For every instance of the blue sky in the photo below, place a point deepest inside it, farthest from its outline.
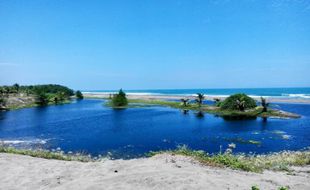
(148, 44)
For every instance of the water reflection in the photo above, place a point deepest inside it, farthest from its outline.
(2, 115)
(185, 112)
(200, 114)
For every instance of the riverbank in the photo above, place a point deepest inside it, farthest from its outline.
(163, 171)
(19, 101)
(177, 97)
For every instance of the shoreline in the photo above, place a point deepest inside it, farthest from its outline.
(163, 171)
(207, 97)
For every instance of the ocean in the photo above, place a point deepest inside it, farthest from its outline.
(300, 93)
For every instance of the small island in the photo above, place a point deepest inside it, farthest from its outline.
(237, 106)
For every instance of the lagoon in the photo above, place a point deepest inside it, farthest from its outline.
(88, 126)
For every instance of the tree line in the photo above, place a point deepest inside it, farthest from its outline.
(44, 94)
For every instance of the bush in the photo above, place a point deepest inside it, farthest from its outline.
(41, 98)
(119, 99)
(238, 102)
(255, 187)
(79, 95)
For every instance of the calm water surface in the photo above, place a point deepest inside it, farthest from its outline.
(87, 126)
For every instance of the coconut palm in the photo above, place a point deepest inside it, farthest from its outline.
(240, 105)
(264, 104)
(184, 101)
(200, 98)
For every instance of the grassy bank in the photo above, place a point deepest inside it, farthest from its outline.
(281, 161)
(256, 112)
(40, 153)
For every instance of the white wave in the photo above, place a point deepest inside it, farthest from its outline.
(143, 93)
(306, 96)
(16, 142)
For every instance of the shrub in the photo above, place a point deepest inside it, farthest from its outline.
(79, 95)
(119, 99)
(41, 98)
(255, 187)
(238, 102)
(283, 188)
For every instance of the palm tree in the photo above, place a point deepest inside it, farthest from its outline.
(199, 99)
(240, 105)
(264, 104)
(184, 101)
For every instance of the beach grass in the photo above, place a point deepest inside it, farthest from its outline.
(229, 114)
(281, 161)
(41, 153)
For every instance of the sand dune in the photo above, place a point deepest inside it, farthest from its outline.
(159, 172)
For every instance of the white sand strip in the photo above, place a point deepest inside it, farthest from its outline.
(177, 97)
(159, 172)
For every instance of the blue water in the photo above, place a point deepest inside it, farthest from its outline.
(272, 92)
(88, 126)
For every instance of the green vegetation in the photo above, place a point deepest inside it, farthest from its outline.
(264, 104)
(119, 100)
(243, 107)
(239, 102)
(199, 99)
(32, 89)
(184, 101)
(217, 102)
(16, 96)
(79, 95)
(281, 161)
(226, 114)
(40, 153)
(41, 98)
(254, 187)
(165, 103)
(284, 188)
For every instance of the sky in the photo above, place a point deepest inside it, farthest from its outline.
(155, 44)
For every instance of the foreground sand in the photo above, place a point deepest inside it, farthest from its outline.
(159, 172)
(174, 97)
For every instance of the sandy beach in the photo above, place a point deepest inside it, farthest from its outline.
(163, 171)
(173, 97)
